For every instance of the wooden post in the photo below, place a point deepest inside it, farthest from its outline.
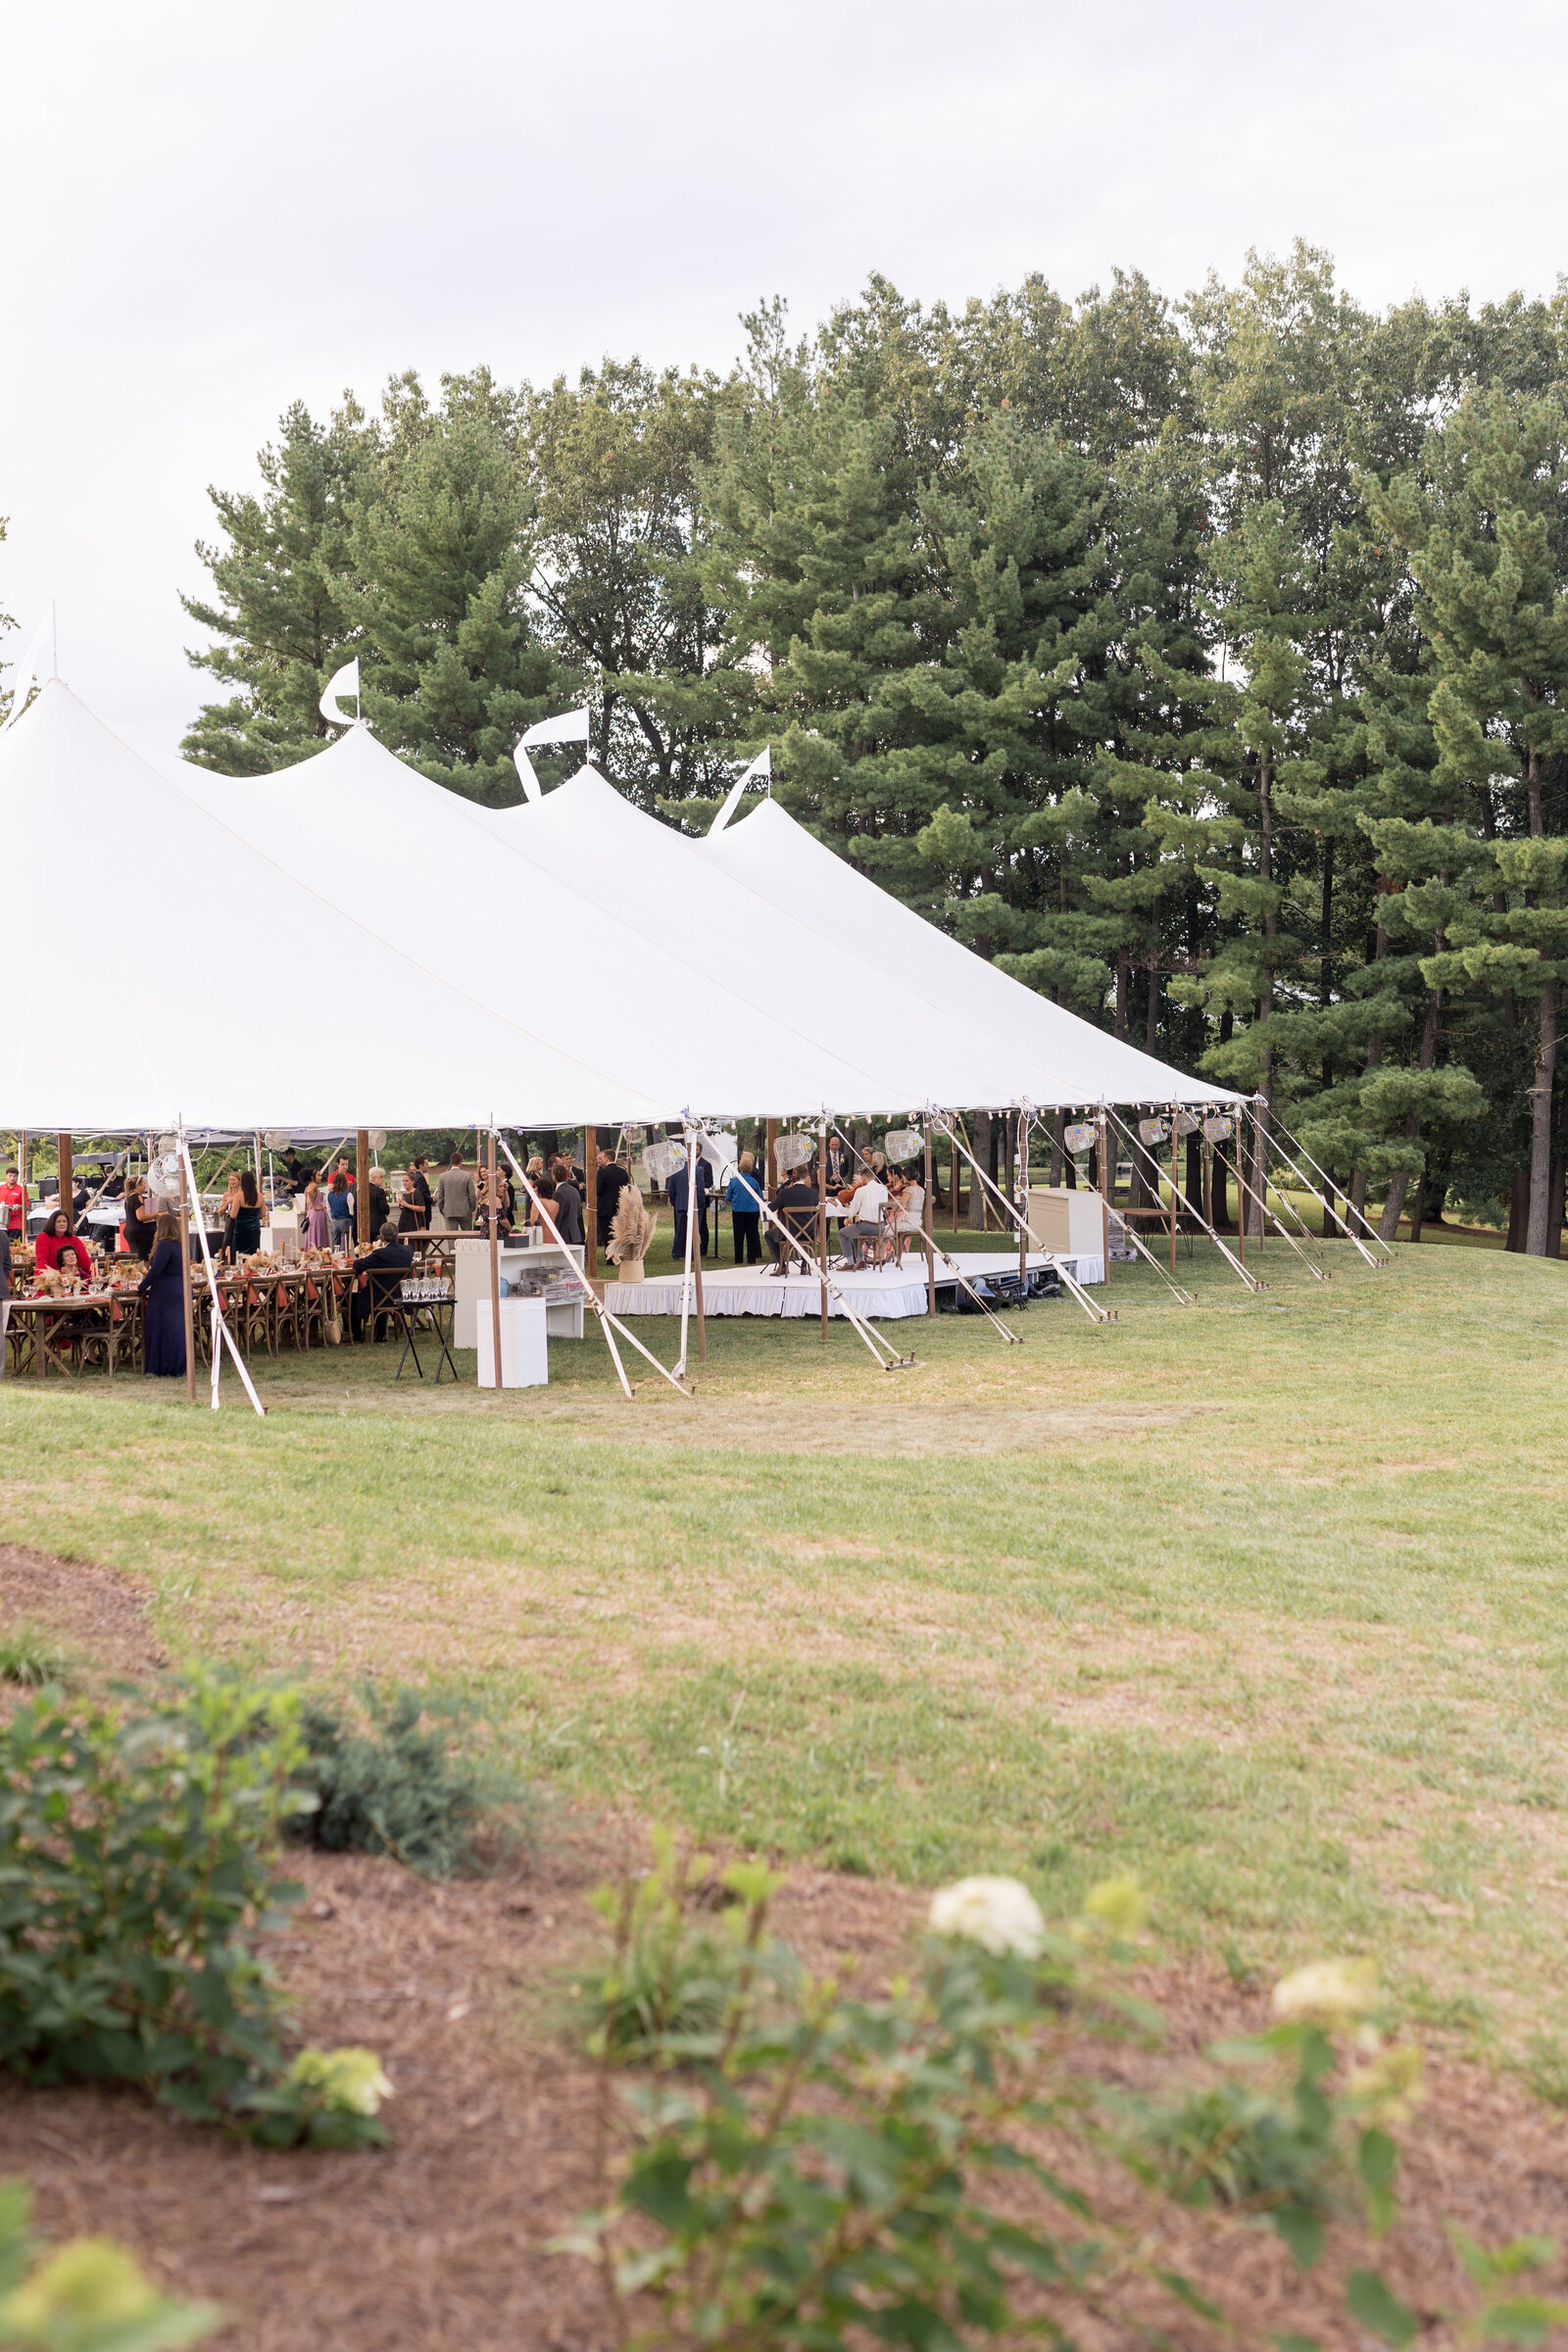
(694, 1222)
(770, 1172)
(62, 1145)
(1241, 1186)
(1107, 1174)
(1023, 1201)
(184, 1278)
(362, 1191)
(590, 1215)
(495, 1266)
(955, 1187)
(1175, 1133)
(928, 1236)
(821, 1218)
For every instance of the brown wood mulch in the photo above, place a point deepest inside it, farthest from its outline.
(437, 2244)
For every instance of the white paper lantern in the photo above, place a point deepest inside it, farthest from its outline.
(1187, 1122)
(792, 1152)
(1218, 1130)
(1153, 1131)
(277, 1139)
(1080, 1136)
(664, 1160)
(902, 1143)
(377, 1139)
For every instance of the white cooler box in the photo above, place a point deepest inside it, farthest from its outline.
(525, 1344)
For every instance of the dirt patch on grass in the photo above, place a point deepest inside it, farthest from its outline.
(92, 1610)
(438, 2242)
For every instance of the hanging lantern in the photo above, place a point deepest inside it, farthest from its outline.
(794, 1152)
(1153, 1131)
(1187, 1122)
(902, 1143)
(377, 1139)
(1218, 1130)
(1080, 1136)
(664, 1159)
(277, 1139)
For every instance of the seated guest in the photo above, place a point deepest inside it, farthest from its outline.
(908, 1201)
(864, 1220)
(376, 1277)
(796, 1202)
(56, 1245)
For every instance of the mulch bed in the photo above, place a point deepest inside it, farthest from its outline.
(436, 2244)
(95, 1611)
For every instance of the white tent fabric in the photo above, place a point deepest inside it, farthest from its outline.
(160, 966)
(1057, 1059)
(599, 921)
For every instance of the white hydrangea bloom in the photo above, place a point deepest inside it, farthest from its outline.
(999, 1914)
(1335, 1990)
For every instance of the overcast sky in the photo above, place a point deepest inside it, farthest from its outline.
(210, 212)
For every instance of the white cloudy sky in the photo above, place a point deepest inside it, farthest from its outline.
(207, 212)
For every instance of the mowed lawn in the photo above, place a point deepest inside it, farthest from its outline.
(1262, 1598)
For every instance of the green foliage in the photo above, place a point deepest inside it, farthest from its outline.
(412, 1773)
(87, 2296)
(30, 1655)
(136, 1872)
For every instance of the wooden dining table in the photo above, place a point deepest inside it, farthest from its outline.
(56, 1332)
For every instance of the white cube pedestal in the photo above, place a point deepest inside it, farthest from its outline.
(525, 1350)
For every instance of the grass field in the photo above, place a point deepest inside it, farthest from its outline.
(1262, 1598)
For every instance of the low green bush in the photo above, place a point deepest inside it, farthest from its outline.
(29, 1654)
(795, 2169)
(416, 1774)
(139, 1842)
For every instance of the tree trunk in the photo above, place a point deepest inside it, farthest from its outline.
(982, 1143)
(1358, 1196)
(1518, 1210)
(1394, 1206)
(1060, 1160)
(1193, 1185)
(1555, 1214)
(1540, 1124)
(1219, 1213)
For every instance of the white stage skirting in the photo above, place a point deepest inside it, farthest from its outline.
(884, 1292)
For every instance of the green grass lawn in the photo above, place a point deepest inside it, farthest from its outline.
(1263, 1599)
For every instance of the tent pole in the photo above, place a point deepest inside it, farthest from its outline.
(184, 1268)
(1196, 1209)
(222, 1335)
(1175, 1133)
(927, 1238)
(686, 1263)
(362, 1188)
(1104, 1196)
(955, 1182)
(821, 1217)
(66, 1152)
(770, 1166)
(1023, 1201)
(495, 1263)
(697, 1262)
(590, 1204)
(609, 1324)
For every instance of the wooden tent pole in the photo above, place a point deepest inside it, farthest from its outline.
(184, 1276)
(928, 1236)
(590, 1211)
(1175, 1130)
(954, 1140)
(1107, 1179)
(1024, 1200)
(65, 1151)
(495, 1265)
(770, 1172)
(362, 1188)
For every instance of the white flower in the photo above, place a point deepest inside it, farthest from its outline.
(1336, 1991)
(999, 1914)
(351, 2080)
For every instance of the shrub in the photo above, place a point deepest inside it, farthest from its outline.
(410, 1773)
(136, 1874)
(87, 2296)
(32, 1656)
(800, 2169)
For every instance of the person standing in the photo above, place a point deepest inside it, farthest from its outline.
(340, 1209)
(140, 1221)
(611, 1180)
(380, 1206)
(317, 1224)
(13, 1202)
(242, 1229)
(742, 1194)
(567, 1211)
(682, 1185)
(424, 1202)
(163, 1286)
(455, 1197)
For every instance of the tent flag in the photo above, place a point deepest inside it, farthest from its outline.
(343, 681)
(761, 765)
(570, 726)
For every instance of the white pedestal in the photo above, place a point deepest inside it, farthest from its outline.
(282, 1235)
(1071, 1223)
(524, 1355)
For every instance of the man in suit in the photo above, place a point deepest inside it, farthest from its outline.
(611, 1180)
(680, 1189)
(377, 1277)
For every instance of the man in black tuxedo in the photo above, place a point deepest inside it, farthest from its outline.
(376, 1277)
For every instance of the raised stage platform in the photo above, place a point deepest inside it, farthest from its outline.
(888, 1292)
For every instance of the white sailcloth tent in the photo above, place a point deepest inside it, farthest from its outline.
(160, 966)
(1071, 1062)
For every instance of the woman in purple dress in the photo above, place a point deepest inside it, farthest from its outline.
(163, 1286)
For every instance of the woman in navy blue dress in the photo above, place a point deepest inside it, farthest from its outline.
(163, 1286)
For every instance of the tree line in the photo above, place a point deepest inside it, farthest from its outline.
(1203, 662)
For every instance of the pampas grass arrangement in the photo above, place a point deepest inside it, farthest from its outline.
(631, 1229)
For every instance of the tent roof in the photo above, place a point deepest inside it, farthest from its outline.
(1058, 1060)
(160, 965)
